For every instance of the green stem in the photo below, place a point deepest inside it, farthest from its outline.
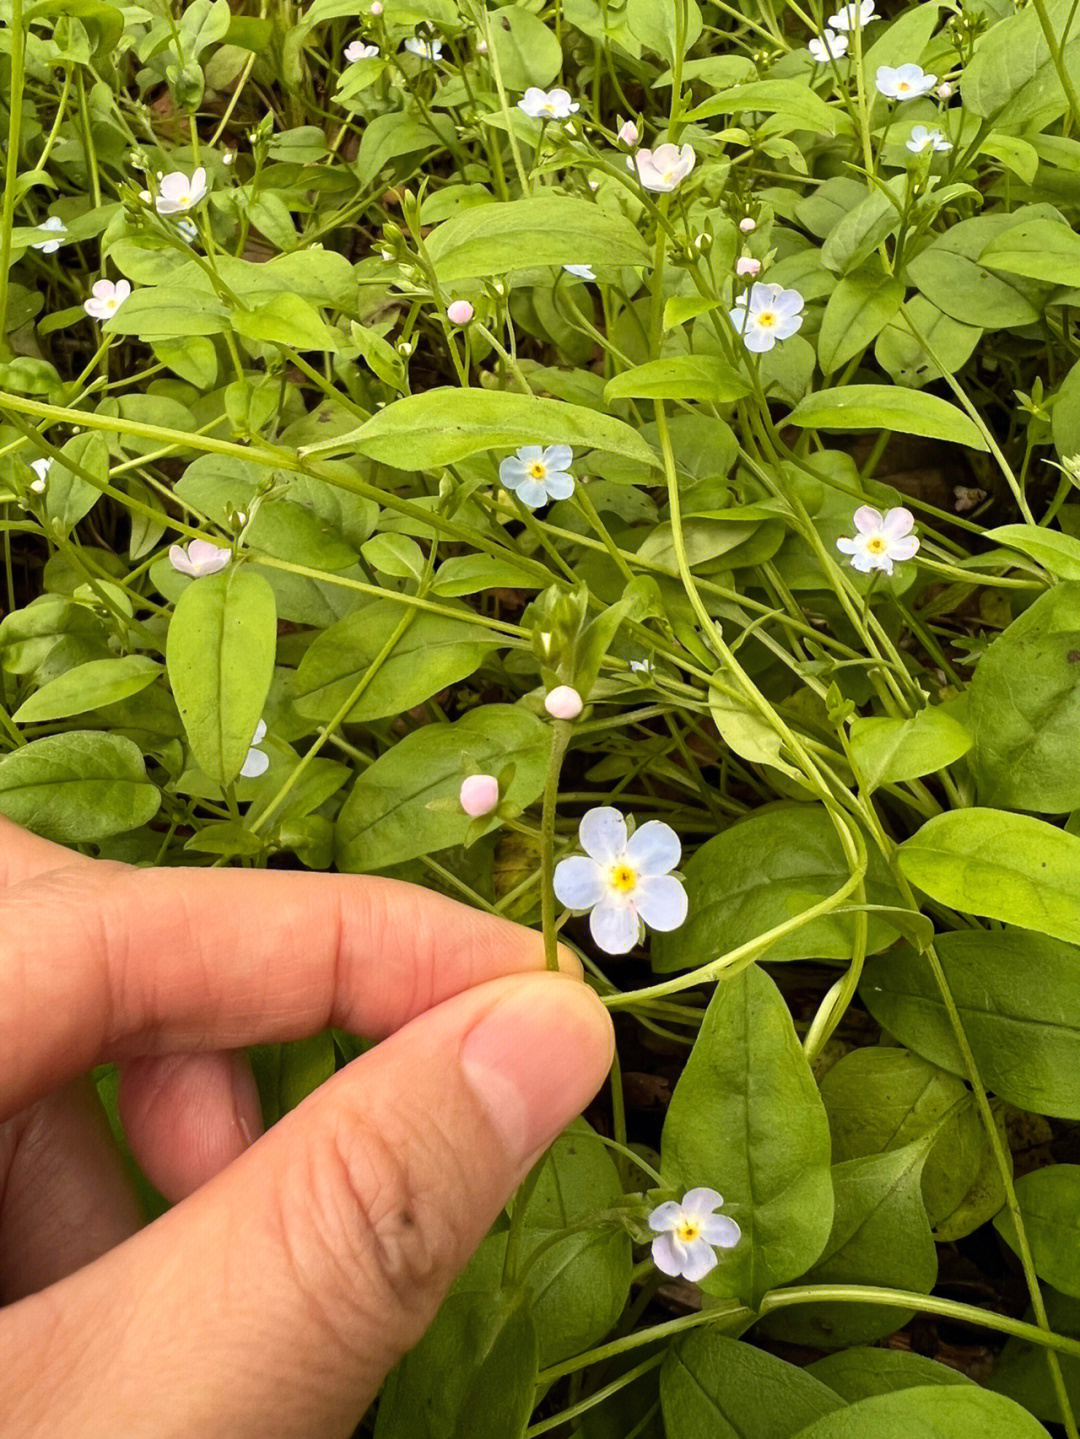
(11, 168)
(560, 739)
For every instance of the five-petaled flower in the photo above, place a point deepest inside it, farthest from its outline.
(582, 272)
(903, 82)
(854, 16)
(880, 539)
(664, 168)
(41, 470)
(257, 762)
(623, 882)
(688, 1234)
(106, 298)
(924, 139)
(547, 104)
(831, 45)
(55, 226)
(426, 49)
(479, 795)
(536, 474)
(770, 313)
(177, 194)
(357, 50)
(199, 558)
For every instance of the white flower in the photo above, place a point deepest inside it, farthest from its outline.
(426, 49)
(623, 882)
(357, 50)
(880, 539)
(176, 193)
(829, 46)
(642, 667)
(747, 265)
(41, 470)
(547, 104)
(479, 794)
(924, 139)
(57, 227)
(257, 761)
(229, 157)
(106, 298)
(688, 1234)
(200, 558)
(905, 82)
(854, 16)
(664, 168)
(188, 229)
(771, 313)
(538, 475)
(563, 702)
(583, 272)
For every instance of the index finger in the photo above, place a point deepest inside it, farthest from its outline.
(102, 961)
(24, 855)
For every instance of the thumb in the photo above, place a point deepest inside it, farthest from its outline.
(276, 1297)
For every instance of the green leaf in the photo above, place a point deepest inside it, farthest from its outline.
(793, 99)
(68, 497)
(1013, 77)
(220, 656)
(393, 812)
(521, 234)
(388, 137)
(746, 1119)
(78, 786)
(1002, 866)
(1057, 553)
(858, 310)
(435, 651)
(653, 22)
(286, 320)
(880, 407)
(469, 574)
(1050, 1206)
(950, 274)
(681, 377)
(1024, 707)
(723, 1388)
(890, 751)
(442, 426)
(763, 871)
(861, 1373)
(87, 687)
(1018, 994)
(527, 51)
(1020, 1371)
(930, 1412)
(1042, 249)
(902, 356)
(861, 227)
(166, 311)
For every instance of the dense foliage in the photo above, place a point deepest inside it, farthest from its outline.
(427, 427)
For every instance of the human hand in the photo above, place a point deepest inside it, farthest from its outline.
(297, 1269)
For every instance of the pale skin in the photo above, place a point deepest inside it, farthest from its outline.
(297, 1266)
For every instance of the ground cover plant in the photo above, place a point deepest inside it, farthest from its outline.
(614, 462)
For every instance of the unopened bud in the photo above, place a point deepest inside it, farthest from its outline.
(746, 265)
(563, 702)
(459, 312)
(481, 47)
(228, 157)
(628, 133)
(479, 794)
(747, 225)
(376, 8)
(944, 91)
(405, 348)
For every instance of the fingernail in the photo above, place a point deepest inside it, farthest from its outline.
(536, 1059)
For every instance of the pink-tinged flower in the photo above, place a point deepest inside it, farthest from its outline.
(628, 133)
(376, 8)
(663, 169)
(747, 225)
(903, 82)
(479, 795)
(747, 265)
(459, 312)
(624, 882)
(257, 762)
(880, 540)
(106, 298)
(944, 91)
(199, 559)
(770, 313)
(177, 194)
(563, 702)
(356, 50)
(688, 1234)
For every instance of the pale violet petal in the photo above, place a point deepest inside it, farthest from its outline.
(789, 325)
(666, 1254)
(661, 901)
(532, 494)
(579, 883)
(666, 1216)
(904, 548)
(898, 522)
(654, 848)
(700, 1260)
(512, 472)
(699, 1202)
(613, 925)
(257, 763)
(560, 486)
(558, 457)
(529, 454)
(868, 520)
(759, 341)
(602, 834)
(721, 1231)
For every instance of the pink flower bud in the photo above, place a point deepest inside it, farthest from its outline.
(747, 226)
(745, 265)
(479, 794)
(944, 90)
(376, 8)
(628, 133)
(459, 312)
(563, 702)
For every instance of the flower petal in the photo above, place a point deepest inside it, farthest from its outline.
(512, 472)
(700, 1260)
(654, 848)
(558, 457)
(867, 519)
(532, 494)
(718, 1229)
(560, 486)
(661, 901)
(579, 882)
(666, 1216)
(759, 341)
(602, 833)
(667, 1254)
(904, 548)
(847, 546)
(700, 1202)
(257, 763)
(898, 522)
(613, 925)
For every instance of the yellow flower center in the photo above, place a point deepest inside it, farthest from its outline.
(877, 545)
(766, 319)
(537, 470)
(903, 87)
(623, 878)
(688, 1231)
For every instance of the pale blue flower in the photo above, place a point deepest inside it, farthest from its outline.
(583, 272)
(537, 475)
(924, 139)
(904, 82)
(688, 1234)
(257, 762)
